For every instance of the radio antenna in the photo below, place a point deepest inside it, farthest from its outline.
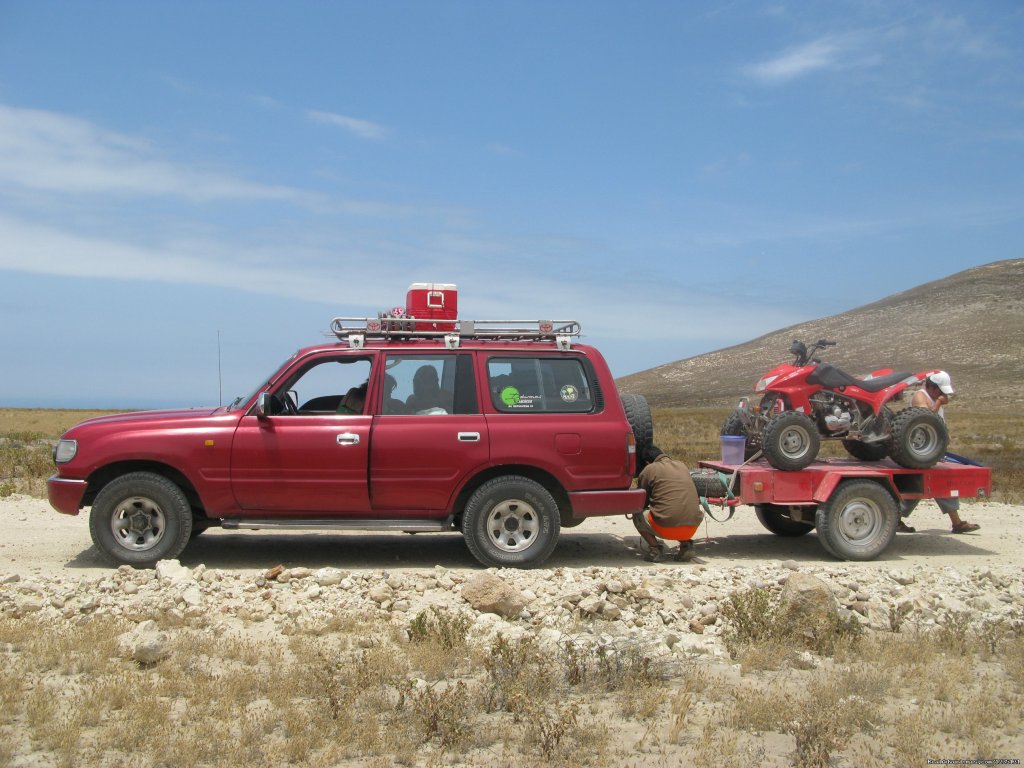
(220, 378)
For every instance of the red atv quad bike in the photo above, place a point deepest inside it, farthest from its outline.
(809, 401)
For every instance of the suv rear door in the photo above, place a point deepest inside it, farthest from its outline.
(429, 434)
(547, 410)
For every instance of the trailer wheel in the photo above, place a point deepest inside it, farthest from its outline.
(859, 521)
(919, 438)
(638, 414)
(791, 441)
(771, 517)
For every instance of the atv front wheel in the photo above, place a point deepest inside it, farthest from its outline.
(791, 441)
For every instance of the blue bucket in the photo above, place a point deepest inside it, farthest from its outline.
(733, 448)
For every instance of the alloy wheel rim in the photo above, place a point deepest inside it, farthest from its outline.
(138, 523)
(512, 525)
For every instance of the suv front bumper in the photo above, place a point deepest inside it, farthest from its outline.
(65, 495)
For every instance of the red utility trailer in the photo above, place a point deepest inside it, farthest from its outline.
(854, 505)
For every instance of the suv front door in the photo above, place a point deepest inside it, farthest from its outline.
(309, 455)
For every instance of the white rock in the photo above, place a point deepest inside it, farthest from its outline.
(328, 577)
(172, 572)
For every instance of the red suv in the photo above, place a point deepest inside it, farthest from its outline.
(505, 431)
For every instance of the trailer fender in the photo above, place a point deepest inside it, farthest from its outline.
(830, 480)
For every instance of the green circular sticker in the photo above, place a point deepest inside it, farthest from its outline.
(510, 396)
(569, 393)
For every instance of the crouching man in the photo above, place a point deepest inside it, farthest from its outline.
(673, 506)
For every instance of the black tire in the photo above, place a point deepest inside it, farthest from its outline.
(140, 518)
(774, 520)
(866, 451)
(919, 438)
(708, 483)
(791, 441)
(873, 451)
(511, 521)
(638, 414)
(859, 521)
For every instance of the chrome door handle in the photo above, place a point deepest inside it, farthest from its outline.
(469, 437)
(348, 438)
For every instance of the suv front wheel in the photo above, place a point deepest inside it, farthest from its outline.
(511, 521)
(140, 518)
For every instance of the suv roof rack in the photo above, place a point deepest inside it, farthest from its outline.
(355, 330)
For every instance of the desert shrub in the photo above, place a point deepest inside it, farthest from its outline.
(760, 628)
(446, 628)
(517, 675)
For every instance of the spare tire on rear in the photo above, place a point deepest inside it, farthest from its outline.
(638, 414)
(709, 483)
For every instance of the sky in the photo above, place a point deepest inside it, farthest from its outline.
(190, 191)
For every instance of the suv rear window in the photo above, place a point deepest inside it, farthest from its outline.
(539, 385)
(429, 385)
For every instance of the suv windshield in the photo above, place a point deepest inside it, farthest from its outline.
(241, 400)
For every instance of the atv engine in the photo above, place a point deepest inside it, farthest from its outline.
(836, 413)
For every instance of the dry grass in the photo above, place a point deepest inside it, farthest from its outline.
(358, 696)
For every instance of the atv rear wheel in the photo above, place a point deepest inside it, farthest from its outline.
(919, 438)
(791, 441)
(866, 451)
(874, 451)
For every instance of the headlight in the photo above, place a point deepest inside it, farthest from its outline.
(762, 385)
(65, 451)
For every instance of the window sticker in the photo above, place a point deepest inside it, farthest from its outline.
(569, 393)
(510, 396)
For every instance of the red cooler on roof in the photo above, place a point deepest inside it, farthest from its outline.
(435, 303)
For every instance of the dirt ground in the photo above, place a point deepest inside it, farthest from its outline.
(39, 540)
(48, 562)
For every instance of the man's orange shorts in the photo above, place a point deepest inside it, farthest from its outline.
(675, 533)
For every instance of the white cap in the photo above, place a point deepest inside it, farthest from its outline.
(942, 381)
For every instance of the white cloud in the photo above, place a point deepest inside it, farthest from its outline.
(54, 152)
(797, 62)
(364, 129)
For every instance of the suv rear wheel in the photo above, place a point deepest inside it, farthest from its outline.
(511, 521)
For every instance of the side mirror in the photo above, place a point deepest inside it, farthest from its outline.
(263, 405)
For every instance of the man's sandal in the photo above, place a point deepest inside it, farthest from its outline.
(965, 527)
(655, 554)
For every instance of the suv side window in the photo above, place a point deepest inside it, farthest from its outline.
(429, 385)
(539, 385)
(329, 385)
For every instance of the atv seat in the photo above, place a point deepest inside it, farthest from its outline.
(829, 376)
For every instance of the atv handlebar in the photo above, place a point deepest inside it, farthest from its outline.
(804, 355)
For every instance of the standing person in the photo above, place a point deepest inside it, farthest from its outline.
(673, 506)
(934, 395)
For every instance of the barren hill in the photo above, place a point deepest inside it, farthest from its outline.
(970, 324)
